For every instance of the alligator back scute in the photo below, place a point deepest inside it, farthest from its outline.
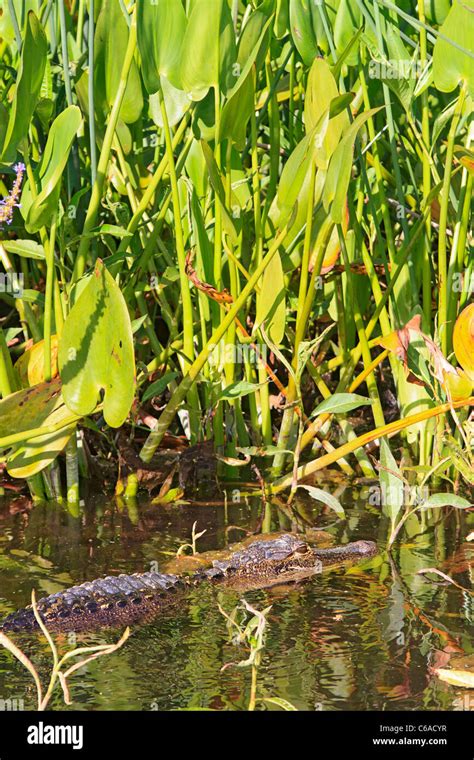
(107, 602)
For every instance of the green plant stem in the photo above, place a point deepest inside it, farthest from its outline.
(80, 20)
(218, 311)
(188, 321)
(48, 302)
(90, 91)
(98, 187)
(167, 416)
(403, 255)
(263, 393)
(253, 689)
(302, 315)
(7, 376)
(458, 248)
(16, 28)
(363, 340)
(64, 52)
(443, 294)
(72, 470)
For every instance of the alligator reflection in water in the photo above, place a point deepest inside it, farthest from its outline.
(126, 599)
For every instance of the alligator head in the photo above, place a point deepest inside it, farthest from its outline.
(286, 558)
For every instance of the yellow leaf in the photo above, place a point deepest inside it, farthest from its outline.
(30, 366)
(463, 340)
(271, 304)
(456, 677)
(457, 385)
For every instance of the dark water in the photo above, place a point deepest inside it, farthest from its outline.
(363, 639)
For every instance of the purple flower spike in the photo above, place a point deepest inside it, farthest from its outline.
(11, 201)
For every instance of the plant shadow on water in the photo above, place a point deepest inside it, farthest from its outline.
(358, 638)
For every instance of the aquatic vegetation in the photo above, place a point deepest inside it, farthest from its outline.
(250, 227)
(59, 674)
(247, 627)
(194, 537)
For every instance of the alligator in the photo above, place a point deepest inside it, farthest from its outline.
(127, 599)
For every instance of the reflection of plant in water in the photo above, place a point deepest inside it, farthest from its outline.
(194, 538)
(395, 488)
(57, 672)
(247, 626)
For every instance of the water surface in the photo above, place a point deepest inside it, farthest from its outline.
(358, 640)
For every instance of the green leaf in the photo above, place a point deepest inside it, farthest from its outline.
(138, 323)
(348, 21)
(229, 222)
(305, 349)
(157, 388)
(32, 296)
(113, 229)
(29, 408)
(294, 187)
(28, 85)
(39, 211)
(401, 69)
(271, 302)
(436, 10)
(391, 483)
(339, 172)
(280, 702)
(110, 45)
(96, 351)
(208, 51)
(30, 249)
(161, 25)
(237, 390)
(450, 64)
(176, 104)
(322, 95)
(240, 99)
(346, 54)
(250, 36)
(32, 457)
(307, 29)
(437, 500)
(328, 499)
(35, 408)
(263, 451)
(340, 403)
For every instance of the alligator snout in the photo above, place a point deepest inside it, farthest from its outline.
(364, 548)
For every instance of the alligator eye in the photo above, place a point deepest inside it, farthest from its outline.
(302, 549)
(137, 600)
(91, 606)
(64, 613)
(122, 603)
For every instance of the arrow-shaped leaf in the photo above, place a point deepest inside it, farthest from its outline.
(96, 351)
